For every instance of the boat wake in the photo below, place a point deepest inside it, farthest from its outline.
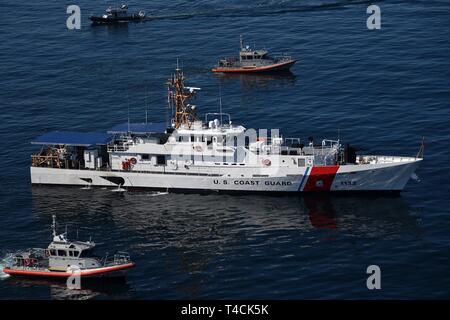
(159, 194)
(271, 8)
(3, 263)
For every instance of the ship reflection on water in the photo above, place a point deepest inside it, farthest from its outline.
(259, 80)
(177, 239)
(90, 288)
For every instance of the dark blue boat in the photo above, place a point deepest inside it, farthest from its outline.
(118, 14)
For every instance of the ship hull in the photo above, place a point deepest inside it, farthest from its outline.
(282, 66)
(347, 178)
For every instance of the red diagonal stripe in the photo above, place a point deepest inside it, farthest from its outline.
(321, 178)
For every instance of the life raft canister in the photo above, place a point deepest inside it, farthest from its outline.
(125, 165)
(266, 162)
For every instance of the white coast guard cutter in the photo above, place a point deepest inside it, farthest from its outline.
(211, 155)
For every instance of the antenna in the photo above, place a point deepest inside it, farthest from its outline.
(220, 102)
(54, 226)
(128, 102)
(146, 107)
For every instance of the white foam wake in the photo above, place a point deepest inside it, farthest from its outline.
(2, 274)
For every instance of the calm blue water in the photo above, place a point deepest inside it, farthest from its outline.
(382, 90)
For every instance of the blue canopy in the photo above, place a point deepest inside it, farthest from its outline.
(71, 138)
(139, 128)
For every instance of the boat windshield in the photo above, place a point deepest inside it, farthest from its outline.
(87, 253)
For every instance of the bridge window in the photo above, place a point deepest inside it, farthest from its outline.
(86, 253)
(73, 253)
(52, 252)
(62, 253)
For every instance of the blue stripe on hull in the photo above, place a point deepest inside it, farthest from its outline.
(303, 179)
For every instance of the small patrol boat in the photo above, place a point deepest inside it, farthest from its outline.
(251, 61)
(118, 14)
(64, 258)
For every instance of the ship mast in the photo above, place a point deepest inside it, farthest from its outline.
(185, 114)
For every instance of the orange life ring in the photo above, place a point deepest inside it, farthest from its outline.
(133, 161)
(266, 162)
(198, 148)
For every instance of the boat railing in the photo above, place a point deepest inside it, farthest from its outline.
(120, 144)
(283, 57)
(120, 257)
(220, 115)
(292, 141)
(327, 143)
(118, 147)
(379, 159)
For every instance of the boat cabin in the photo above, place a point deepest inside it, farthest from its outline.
(117, 12)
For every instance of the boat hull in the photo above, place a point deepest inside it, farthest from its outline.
(101, 20)
(87, 273)
(348, 178)
(282, 66)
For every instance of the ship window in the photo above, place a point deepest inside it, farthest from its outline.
(145, 156)
(160, 160)
(73, 253)
(62, 253)
(192, 138)
(52, 252)
(86, 253)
